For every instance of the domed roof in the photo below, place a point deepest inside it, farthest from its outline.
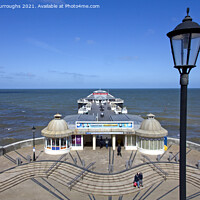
(57, 128)
(150, 127)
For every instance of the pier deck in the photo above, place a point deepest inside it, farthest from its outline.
(40, 186)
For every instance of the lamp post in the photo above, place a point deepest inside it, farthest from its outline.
(33, 130)
(185, 47)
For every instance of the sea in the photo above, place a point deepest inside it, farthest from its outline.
(21, 109)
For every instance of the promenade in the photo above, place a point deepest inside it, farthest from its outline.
(48, 179)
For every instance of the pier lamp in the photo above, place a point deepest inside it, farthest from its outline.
(185, 47)
(33, 130)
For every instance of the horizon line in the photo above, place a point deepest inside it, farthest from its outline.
(86, 88)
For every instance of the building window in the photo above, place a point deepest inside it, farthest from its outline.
(76, 140)
(55, 144)
(162, 143)
(143, 143)
(133, 140)
(147, 144)
(48, 143)
(63, 143)
(129, 140)
(151, 144)
(139, 142)
(159, 144)
(155, 144)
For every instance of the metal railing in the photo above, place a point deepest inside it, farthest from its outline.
(54, 164)
(81, 161)
(111, 165)
(165, 152)
(73, 159)
(79, 175)
(162, 171)
(129, 163)
(133, 158)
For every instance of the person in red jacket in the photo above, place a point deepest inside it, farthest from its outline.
(136, 179)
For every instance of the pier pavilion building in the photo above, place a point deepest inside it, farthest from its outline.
(57, 136)
(151, 136)
(102, 119)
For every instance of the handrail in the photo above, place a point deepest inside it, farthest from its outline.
(113, 157)
(79, 175)
(162, 171)
(133, 158)
(179, 152)
(175, 155)
(130, 156)
(79, 157)
(54, 164)
(165, 152)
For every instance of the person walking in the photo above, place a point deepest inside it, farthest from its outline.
(140, 176)
(101, 142)
(106, 143)
(136, 179)
(119, 150)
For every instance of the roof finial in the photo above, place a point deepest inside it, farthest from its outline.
(188, 10)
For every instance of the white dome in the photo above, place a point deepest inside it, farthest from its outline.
(56, 128)
(150, 127)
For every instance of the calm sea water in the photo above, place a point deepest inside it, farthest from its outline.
(21, 109)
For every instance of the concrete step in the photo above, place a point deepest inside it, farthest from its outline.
(98, 184)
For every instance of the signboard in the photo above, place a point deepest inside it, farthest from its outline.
(104, 133)
(95, 125)
(100, 93)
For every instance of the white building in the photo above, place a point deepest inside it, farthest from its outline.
(57, 136)
(150, 136)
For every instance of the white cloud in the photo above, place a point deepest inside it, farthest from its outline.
(1, 71)
(150, 31)
(128, 58)
(44, 45)
(77, 39)
(5, 77)
(90, 41)
(73, 74)
(24, 74)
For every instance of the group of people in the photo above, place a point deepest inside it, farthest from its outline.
(138, 180)
(106, 143)
(101, 142)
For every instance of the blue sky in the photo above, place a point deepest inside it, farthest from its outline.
(122, 44)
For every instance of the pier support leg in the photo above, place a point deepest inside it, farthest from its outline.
(94, 142)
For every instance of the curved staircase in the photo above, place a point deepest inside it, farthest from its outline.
(90, 182)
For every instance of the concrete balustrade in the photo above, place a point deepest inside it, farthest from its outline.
(18, 145)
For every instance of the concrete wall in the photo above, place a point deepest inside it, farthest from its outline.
(26, 143)
(20, 144)
(189, 144)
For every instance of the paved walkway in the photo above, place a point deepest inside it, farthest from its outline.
(43, 188)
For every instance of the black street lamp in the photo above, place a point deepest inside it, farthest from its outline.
(185, 46)
(33, 130)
